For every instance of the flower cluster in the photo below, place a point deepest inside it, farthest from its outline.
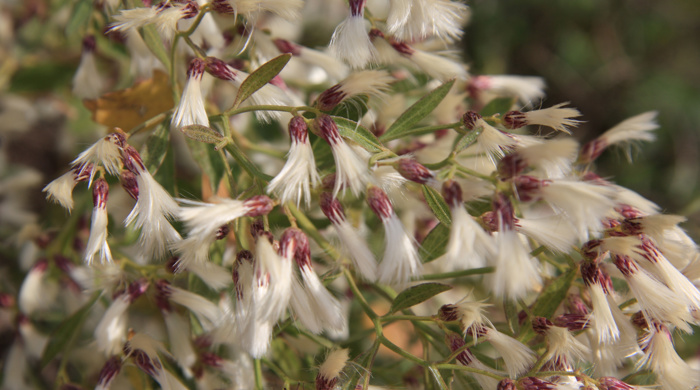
(334, 188)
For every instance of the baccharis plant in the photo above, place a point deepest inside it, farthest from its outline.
(339, 192)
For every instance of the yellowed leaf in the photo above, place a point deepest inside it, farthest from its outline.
(132, 106)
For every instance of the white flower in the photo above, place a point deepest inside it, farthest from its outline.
(143, 62)
(330, 369)
(278, 270)
(415, 20)
(350, 170)
(555, 232)
(490, 140)
(350, 41)
(440, 67)
(353, 245)
(153, 209)
(517, 356)
(144, 352)
(250, 9)
(35, 290)
(401, 261)
(371, 83)
(554, 158)
(656, 300)
(562, 346)
(584, 203)
(527, 89)
(294, 181)
(662, 359)
(132, 19)
(468, 245)
(87, 83)
(637, 128)
(323, 311)
(202, 220)
(97, 242)
(555, 117)
(516, 272)
(178, 329)
(335, 68)
(191, 110)
(110, 332)
(206, 311)
(60, 190)
(106, 152)
(625, 133)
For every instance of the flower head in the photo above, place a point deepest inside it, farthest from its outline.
(191, 110)
(299, 175)
(350, 41)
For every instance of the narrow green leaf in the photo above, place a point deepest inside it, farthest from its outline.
(202, 134)
(79, 19)
(416, 112)
(554, 294)
(437, 204)
(438, 378)
(466, 140)
(156, 147)
(417, 294)
(353, 109)
(248, 165)
(357, 133)
(511, 311)
(260, 77)
(66, 332)
(155, 44)
(322, 153)
(434, 244)
(209, 160)
(497, 106)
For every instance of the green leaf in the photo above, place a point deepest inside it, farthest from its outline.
(260, 77)
(511, 311)
(438, 378)
(209, 160)
(357, 133)
(497, 106)
(79, 18)
(466, 140)
(554, 294)
(202, 134)
(435, 242)
(246, 164)
(437, 204)
(156, 147)
(417, 294)
(66, 332)
(353, 109)
(322, 153)
(416, 112)
(153, 41)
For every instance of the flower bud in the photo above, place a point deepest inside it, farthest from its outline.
(610, 383)
(220, 69)
(470, 118)
(452, 193)
(129, 183)
(540, 325)
(414, 171)
(514, 119)
(506, 384)
(511, 165)
(258, 205)
(332, 208)
(379, 202)
(448, 312)
(285, 46)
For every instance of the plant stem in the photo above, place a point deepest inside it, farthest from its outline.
(363, 302)
(468, 369)
(258, 375)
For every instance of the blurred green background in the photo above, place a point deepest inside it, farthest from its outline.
(611, 60)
